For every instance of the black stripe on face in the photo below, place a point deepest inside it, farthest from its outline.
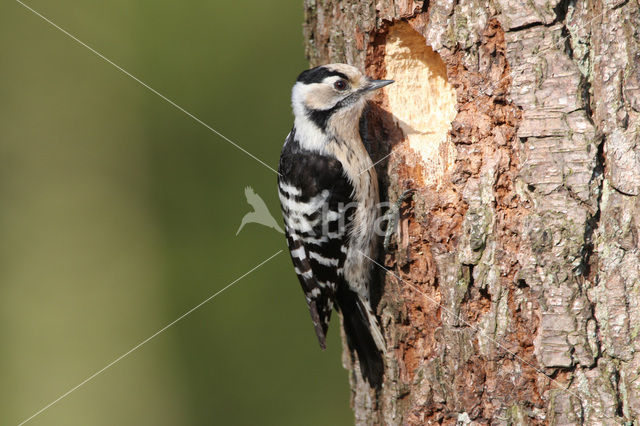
(318, 74)
(320, 117)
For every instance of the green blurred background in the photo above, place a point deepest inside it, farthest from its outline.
(118, 213)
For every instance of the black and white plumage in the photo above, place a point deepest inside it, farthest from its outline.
(329, 196)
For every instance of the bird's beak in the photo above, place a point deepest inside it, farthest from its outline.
(377, 84)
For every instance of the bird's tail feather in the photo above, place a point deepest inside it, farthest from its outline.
(374, 326)
(363, 335)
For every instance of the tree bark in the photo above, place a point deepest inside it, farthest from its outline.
(512, 293)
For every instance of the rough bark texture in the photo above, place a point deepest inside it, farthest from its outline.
(513, 295)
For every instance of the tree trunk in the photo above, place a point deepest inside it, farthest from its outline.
(513, 289)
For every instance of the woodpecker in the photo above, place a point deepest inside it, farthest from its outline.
(328, 191)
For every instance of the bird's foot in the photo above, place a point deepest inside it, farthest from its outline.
(392, 215)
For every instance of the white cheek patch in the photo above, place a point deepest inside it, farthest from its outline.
(311, 96)
(322, 97)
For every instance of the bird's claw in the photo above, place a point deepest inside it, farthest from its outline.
(391, 217)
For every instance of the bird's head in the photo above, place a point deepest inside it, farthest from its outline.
(323, 91)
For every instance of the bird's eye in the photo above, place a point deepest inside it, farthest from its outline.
(340, 85)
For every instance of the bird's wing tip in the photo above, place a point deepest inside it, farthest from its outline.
(321, 331)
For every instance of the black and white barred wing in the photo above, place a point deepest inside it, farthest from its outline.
(313, 208)
(316, 272)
